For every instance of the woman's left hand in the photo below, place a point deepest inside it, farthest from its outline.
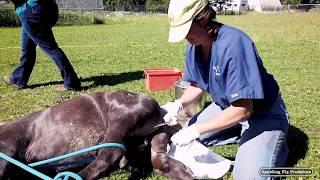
(185, 135)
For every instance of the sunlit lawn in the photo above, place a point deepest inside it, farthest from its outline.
(113, 56)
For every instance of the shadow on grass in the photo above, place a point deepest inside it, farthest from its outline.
(139, 165)
(298, 142)
(32, 86)
(112, 79)
(102, 80)
(140, 174)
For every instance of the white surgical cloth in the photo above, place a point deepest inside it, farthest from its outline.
(202, 162)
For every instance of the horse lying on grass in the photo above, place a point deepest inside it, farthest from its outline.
(126, 118)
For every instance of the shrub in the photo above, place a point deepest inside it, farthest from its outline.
(8, 17)
(98, 20)
(79, 18)
(74, 18)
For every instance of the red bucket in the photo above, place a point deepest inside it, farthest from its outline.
(158, 79)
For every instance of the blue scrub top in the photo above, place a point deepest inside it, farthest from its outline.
(234, 71)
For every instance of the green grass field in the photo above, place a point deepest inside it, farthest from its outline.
(113, 56)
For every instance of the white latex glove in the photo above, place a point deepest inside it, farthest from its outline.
(185, 135)
(171, 112)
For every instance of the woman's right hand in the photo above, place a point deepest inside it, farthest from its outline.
(171, 111)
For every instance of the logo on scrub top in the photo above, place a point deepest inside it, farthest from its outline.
(217, 70)
(234, 95)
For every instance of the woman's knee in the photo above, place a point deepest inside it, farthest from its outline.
(266, 150)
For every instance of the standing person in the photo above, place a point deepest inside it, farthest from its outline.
(224, 61)
(37, 17)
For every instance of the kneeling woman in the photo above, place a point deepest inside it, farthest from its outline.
(224, 61)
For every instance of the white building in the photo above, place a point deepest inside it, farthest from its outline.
(237, 6)
(240, 6)
(264, 5)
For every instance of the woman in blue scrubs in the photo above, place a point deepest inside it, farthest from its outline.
(224, 62)
(37, 17)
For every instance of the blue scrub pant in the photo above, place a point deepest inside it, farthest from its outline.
(262, 139)
(36, 30)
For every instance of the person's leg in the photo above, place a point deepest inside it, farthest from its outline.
(39, 30)
(21, 74)
(263, 144)
(215, 138)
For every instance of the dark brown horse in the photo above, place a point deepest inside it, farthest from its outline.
(121, 117)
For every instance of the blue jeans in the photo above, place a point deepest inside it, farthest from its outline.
(262, 139)
(36, 30)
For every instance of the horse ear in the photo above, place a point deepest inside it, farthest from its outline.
(163, 112)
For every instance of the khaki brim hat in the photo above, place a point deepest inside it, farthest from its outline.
(181, 14)
(178, 33)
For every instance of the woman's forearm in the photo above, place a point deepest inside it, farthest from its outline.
(229, 117)
(190, 95)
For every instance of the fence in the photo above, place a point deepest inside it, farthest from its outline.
(301, 8)
(131, 8)
(224, 9)
(126, 8)
(98, 14)
(221, 9)
(80, 4)
(96, 5)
